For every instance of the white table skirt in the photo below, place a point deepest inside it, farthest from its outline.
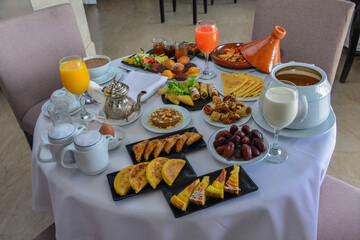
(284, 207)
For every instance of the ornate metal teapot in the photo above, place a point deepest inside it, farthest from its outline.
(118, 105)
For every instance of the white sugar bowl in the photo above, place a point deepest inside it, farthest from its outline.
(90, 150)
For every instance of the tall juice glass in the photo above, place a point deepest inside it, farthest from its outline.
(75, 78)
(206, 38)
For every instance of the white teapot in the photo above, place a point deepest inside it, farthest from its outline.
(59, 137)
(90, 150)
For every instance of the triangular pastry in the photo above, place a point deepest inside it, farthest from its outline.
(153, 171)
(216, 189)
(199, 195)
(170, 142)
(232, 184)
(121, 181)
(181, 201)
(171, 170)
(181, 141)
(137, 176)
(139, 149)
(159, 147)
(193, 137)
(149, 148)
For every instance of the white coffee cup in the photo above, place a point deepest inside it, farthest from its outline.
(95, 71)
(59, 137)
(90, 150)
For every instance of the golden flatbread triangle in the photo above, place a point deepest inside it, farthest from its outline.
(246, 86)
(139, 149)
(199, 195)
(137, 176)
(181, 200)
(171, 170)
(153, 171)
(121, 181)
(232, 82)
(232, 184)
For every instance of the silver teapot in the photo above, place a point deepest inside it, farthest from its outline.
(118, 105)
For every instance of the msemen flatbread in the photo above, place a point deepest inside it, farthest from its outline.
(232, 82)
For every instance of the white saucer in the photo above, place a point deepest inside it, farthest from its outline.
(185, 122)
(120, 122)
(323, 128)
(113, 72)
(46, 104)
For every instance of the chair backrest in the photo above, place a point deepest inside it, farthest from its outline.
(316, 29)
(31, 47)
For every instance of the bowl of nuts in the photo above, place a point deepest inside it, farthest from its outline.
(238, 145)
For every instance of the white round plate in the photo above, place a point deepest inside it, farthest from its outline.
(220, 89)
(323, 128)
(113, 72)
(241, 121)
(186, 114)
(46, 104)
(119, 122)
(233, 161)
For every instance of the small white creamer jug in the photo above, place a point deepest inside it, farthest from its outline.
(90, 151)
(59, 137)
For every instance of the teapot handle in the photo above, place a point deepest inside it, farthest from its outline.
(303, 109)
(42, 145)
(62, 155)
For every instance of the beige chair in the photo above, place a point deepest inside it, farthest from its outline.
(31, 47)
(316, 29)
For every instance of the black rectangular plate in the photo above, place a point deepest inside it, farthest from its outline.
(246, 185)
(195, 146)
(187, 172)
(151, 51)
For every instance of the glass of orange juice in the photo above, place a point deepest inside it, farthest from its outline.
(75, 78)
(206, 38)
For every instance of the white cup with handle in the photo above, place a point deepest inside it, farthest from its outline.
(59, 137)
(90, 150)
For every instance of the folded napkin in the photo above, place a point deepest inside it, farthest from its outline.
(136, 81)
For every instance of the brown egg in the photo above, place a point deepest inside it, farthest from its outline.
(107, 129)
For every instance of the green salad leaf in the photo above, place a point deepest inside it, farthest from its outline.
(174, 88)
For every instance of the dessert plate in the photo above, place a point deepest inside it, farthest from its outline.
(246, 185)
(185, 122)
(241, 121)
(323, 128)
(233, 161)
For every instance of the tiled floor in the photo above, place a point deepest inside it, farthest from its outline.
(123, 27)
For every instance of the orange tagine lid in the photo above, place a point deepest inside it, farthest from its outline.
(265, 52)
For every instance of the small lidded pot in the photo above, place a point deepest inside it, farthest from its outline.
(314, 91)
(90, 150)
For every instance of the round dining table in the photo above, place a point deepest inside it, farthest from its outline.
(285, 206)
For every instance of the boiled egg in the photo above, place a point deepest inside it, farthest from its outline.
(107, 129)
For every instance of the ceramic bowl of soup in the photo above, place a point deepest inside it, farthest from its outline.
(314, 91)
(98, 65)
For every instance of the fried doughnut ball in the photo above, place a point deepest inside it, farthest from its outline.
(184, 60)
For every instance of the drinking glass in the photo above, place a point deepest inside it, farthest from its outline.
(279, 106)
(75, 78)
(158, 46)
(206, 38)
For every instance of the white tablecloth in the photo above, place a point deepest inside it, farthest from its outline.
(284, 207)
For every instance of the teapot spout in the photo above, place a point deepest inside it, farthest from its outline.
(137, 106)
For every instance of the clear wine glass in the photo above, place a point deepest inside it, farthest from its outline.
(206, 38)
(279, 106)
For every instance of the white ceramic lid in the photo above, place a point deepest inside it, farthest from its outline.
(61, 132)
(88, 139)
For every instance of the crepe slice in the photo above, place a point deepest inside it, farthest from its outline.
(199, 196)
(121, 181)
(216, 189)
(181, 201)
(137, 178)
(232, 82)
(153, 171)
(181, 141)
(149, 148)
(159, 147)
(186, 99)
(193, 137)
(232, 184)
(139, 149)
(171, 170)
(170, 142)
